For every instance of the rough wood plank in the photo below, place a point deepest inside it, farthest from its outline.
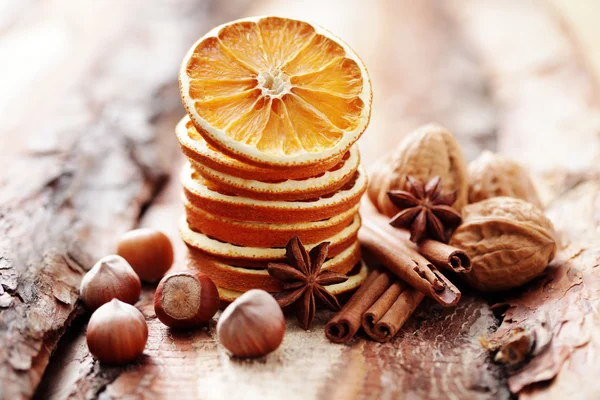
(549, 119)
(436, 355)
(564, 305)
(107, 153)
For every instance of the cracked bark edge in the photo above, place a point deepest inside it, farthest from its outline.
(61, 210)
(549, 331)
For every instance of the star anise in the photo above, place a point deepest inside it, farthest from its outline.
(303, 280)
(424, 210)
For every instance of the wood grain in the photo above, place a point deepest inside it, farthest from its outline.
(548, 116)
(105, 154)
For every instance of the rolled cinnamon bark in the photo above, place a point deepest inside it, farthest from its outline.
(389, 246)
(344, 325)
(445, 256)
(440, 254)
(384, 318)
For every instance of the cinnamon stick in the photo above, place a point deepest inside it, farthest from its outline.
(344, 325)
(387, 315)
(445, 256)
(390, 247)
(440, 254)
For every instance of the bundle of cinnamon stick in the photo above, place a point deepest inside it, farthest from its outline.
(387, 298)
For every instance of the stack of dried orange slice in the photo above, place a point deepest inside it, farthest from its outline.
(274, 108)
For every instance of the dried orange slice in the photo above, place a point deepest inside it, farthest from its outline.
(290, 189)
(230, 276)
(261, 234)
(355, 279)
(276, 92)
(204, 195)
(259, 256)
(197, 150)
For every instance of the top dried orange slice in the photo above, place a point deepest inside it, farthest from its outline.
(276, 92)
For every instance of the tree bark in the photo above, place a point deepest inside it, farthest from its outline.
(84, 175)
(549, 120)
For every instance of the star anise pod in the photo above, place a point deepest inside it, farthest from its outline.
(424, 210)
(303, 280)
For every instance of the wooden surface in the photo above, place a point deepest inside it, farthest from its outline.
(88, 147)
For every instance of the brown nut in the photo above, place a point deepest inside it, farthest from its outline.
(149, 252)
(510, 242)
(117, 333)
(186, 299)
(111, 277)
(252, 326)
(425, 153)
(491, 175)
(377, 173)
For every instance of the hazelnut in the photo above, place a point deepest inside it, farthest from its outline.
(510, 242)
(186, 299)
(149, 252)
(252, 326)
(117, 333)
(111, 277)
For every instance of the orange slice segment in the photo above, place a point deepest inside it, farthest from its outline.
(355, 279)
(198, 150)
(260, 234)
(289, 189)
(230, 276)
(212, 199)
(276, 92)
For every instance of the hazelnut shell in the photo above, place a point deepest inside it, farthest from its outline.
(186, 299)
(252, 326)
(111, 277)
(149, 252)
(117, 333)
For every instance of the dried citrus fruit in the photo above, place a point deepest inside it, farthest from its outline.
(240, 282)
(261, 234)
(257, 257)
(276, 92)
(233, 277)
(198, 150)
(210, 198)
(290, 189)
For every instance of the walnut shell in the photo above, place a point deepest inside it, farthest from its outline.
(491, 175)
(426, 152)
(510, 242)
(377, 173)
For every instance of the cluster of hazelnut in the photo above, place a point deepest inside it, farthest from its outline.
(117, 332)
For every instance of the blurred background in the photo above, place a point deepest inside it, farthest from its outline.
(74, 64)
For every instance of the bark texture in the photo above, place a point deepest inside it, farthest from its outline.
(549, 120)
(84, 176)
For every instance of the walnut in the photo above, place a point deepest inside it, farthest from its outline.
(426, 152)
(491, 175)
(510, 242)
(376, 175)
